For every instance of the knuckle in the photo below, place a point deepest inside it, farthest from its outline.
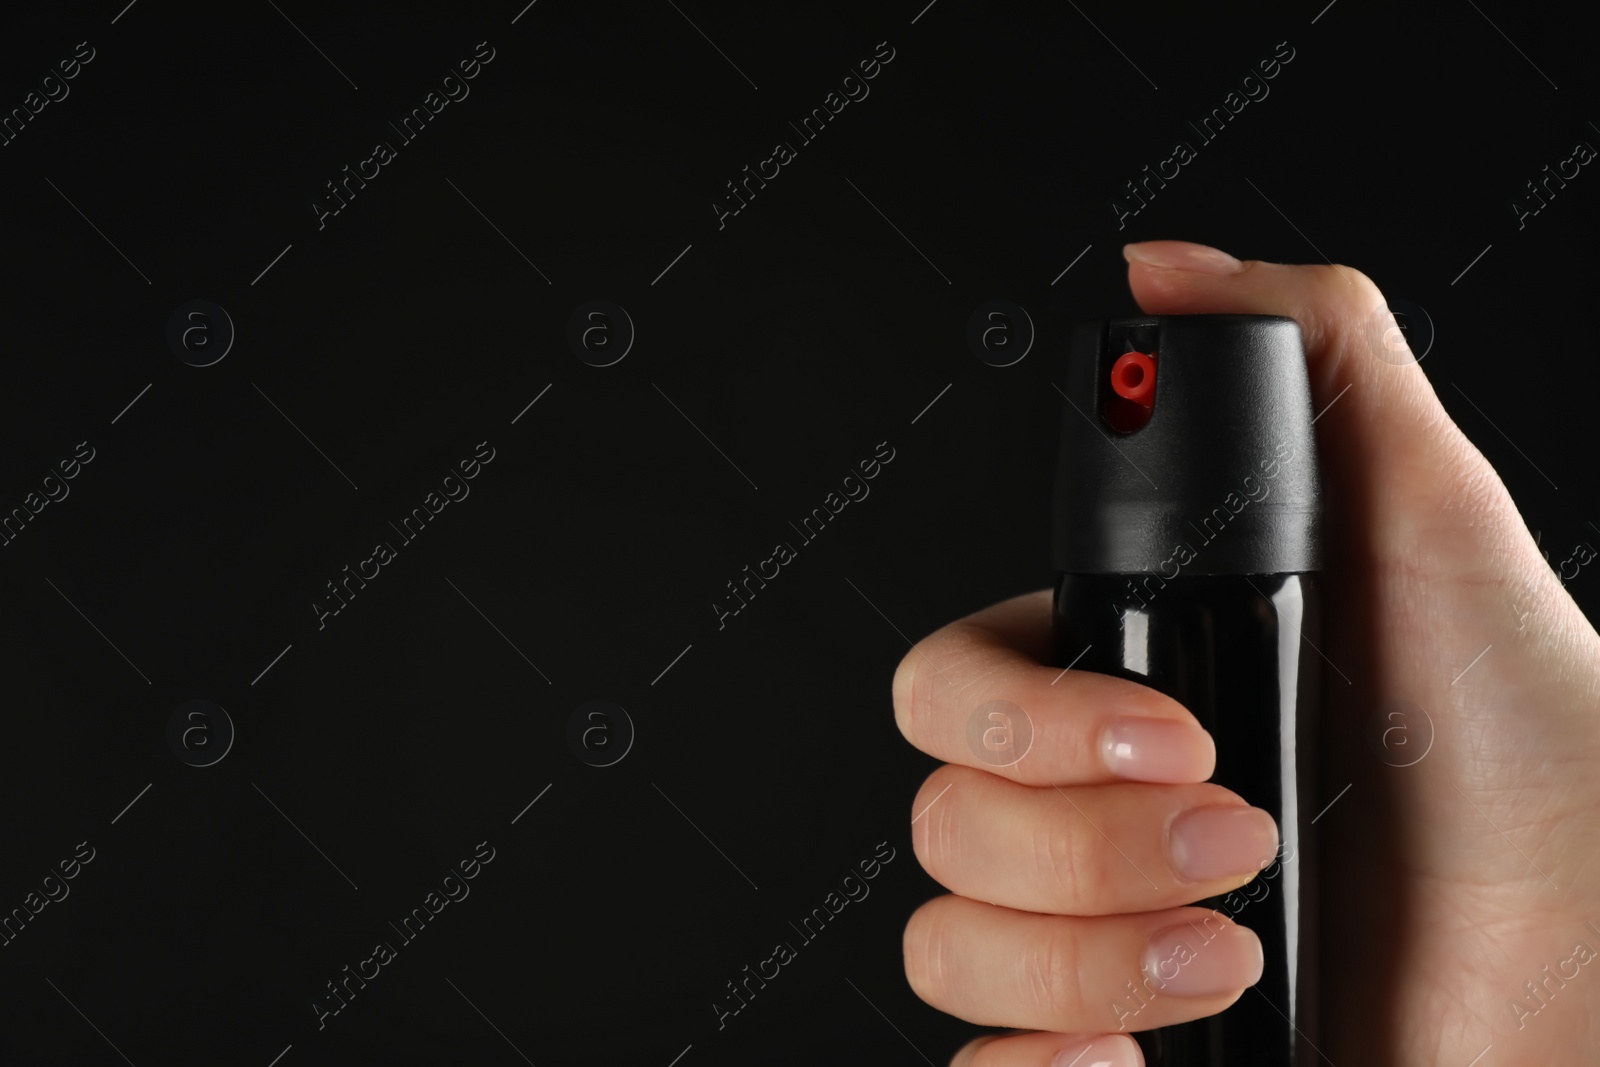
(946, 671)
(1067, 863)
(1052, 980)
(1354, 276)
(926, 959)
(1361, 291)
(903, 688)
(938, 843)
(915, 687)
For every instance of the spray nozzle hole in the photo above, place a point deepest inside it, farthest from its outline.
(1133, 378)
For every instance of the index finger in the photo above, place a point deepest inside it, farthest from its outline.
(976, 693)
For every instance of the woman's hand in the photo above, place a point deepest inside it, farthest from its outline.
(1461, 892)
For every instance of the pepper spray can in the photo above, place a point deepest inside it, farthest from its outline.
(1187, 540)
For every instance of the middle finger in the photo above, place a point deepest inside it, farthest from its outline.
(1087, 850)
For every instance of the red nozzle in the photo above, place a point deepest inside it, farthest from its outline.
(1133, 377)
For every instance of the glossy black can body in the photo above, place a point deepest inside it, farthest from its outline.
(1237, 651)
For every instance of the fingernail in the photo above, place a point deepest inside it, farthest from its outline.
(1181, 255)
(1110, 1051)
(1203, 959)
(1222, 841)
(1157, 750)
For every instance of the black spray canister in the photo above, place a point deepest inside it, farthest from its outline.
(1188, 534)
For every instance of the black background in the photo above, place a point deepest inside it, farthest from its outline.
(796, 338)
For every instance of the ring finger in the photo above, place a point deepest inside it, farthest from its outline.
(998, 967)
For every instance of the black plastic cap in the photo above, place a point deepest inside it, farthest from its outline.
(1222, 476)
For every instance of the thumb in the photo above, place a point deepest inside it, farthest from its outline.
(1386, 443)
(1402, 479)
(1379, 404)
